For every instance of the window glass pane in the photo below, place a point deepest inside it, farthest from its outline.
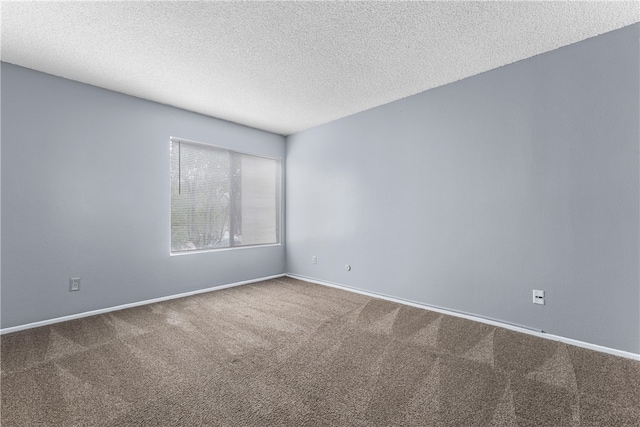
(259, 204)
(220, 198)
(199, 197)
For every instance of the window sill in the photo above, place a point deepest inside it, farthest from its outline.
(235, 248)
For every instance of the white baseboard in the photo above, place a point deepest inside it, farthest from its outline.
(523, 329)
(129, 305)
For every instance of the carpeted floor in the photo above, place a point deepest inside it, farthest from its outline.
(290, 353)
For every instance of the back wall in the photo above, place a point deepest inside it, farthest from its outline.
(86, 193)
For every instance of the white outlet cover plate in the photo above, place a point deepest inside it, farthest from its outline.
(538, 297)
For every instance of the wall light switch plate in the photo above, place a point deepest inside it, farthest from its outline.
(74, 284)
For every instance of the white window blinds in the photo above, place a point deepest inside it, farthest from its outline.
(221, 198)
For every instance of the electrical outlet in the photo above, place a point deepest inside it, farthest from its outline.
(314, 259)
(538, 297)
(74, 284)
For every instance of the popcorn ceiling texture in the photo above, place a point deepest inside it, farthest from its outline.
(288, 66)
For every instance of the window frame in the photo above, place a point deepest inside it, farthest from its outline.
(279, 198)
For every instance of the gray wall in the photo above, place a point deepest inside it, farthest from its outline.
(465, 197)
(470, 195)
(85, 193)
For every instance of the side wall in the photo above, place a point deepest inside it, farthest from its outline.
(85, 193)
(471, 195)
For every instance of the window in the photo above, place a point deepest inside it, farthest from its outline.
(222, 198)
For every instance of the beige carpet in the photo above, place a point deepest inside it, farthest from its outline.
(289, 353)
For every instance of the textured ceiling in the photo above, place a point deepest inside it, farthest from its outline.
(289, 66)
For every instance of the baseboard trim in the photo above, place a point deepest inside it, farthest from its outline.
(517, 328)
(130, 305)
